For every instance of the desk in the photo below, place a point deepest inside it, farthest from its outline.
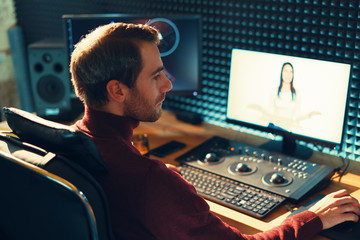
(168, 128)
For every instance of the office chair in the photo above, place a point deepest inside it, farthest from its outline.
(48, 189)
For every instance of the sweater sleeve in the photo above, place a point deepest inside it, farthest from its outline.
(304, 225)
(173, 210)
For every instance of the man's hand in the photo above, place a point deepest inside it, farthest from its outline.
(337, 207)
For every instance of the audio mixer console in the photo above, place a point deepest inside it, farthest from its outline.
(276, 173)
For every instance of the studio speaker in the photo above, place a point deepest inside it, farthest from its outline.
(49, 77)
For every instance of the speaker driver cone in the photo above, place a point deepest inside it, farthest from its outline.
(51, 89)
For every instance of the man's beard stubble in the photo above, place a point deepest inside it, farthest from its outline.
(139, 108)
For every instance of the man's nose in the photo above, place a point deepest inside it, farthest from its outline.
(167, 85)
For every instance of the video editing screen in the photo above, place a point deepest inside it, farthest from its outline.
(179, 43)
(287, 95)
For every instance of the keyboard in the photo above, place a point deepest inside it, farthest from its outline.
(233, 194)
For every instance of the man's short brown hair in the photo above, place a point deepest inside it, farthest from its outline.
(110, 52)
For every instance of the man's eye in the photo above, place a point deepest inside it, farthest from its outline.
(156, 77)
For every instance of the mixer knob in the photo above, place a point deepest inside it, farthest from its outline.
(279, 161)
(242, 167)
(211, 157)
(270, 158)
(263, 156)
(277, 178)
(255, 154)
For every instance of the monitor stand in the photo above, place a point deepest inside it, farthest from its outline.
(288, 147)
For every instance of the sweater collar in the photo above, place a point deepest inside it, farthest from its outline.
(100, 123)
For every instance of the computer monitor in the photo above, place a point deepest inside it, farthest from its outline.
(296, 98)
(179, 43)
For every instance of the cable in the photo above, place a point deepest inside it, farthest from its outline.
(290, 208)
(343, 168)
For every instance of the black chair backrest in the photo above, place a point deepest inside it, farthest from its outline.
(55, 137)
(36, 204)
(62, 151)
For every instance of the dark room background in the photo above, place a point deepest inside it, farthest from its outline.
(326, 30)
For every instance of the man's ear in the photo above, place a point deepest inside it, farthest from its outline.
(116, 90)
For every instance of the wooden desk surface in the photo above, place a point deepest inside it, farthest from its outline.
(168, 128)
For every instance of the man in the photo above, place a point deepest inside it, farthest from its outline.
(117, 73)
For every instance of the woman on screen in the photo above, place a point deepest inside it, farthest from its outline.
(285, 103)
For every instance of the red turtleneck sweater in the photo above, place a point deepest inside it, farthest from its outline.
(149, 201)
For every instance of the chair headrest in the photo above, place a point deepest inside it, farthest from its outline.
(55, 137)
